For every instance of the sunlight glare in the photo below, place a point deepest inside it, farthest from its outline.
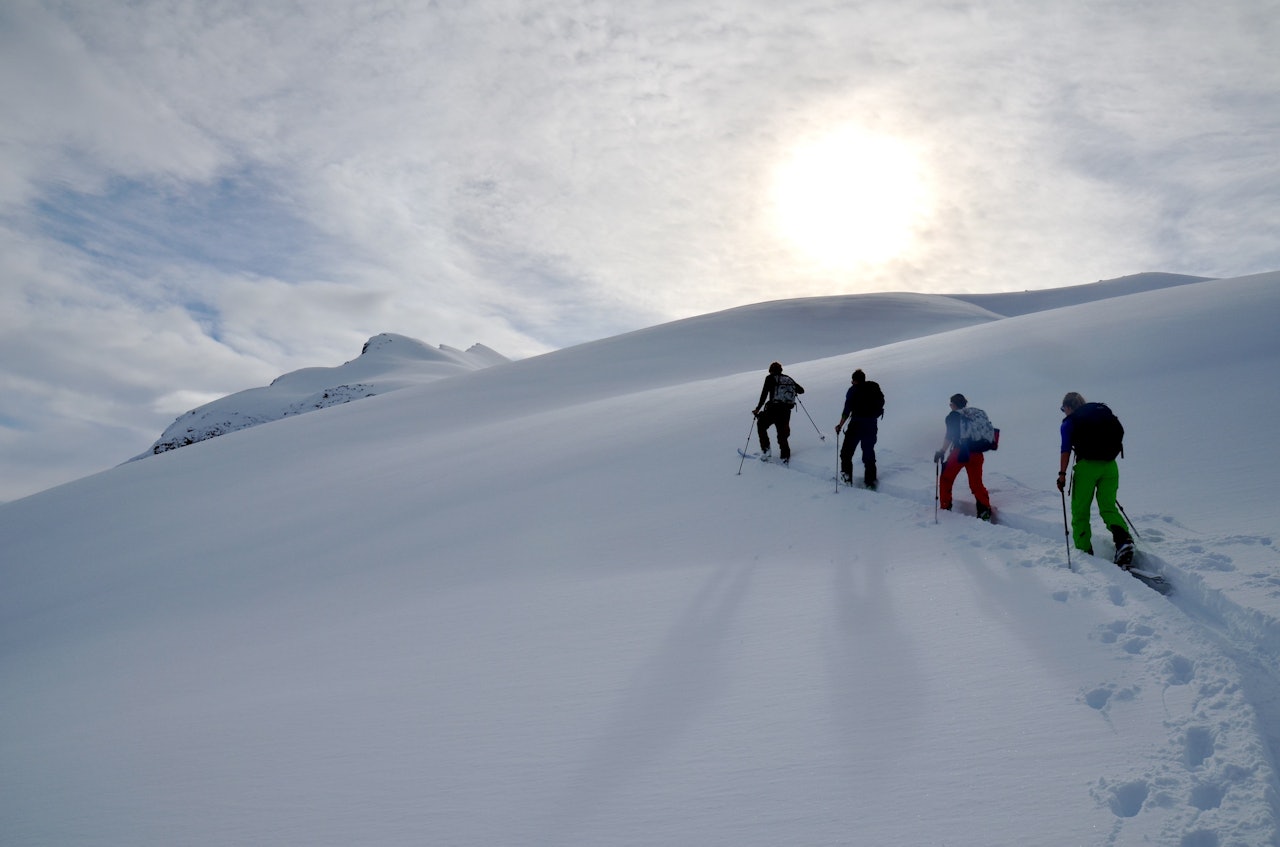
(850, 198)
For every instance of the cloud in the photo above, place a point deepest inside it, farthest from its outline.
(230, 190)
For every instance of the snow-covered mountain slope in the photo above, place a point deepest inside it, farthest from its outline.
(387, 362)
(497, 610)
(748, 338)
(1024, 302)
(696, 348)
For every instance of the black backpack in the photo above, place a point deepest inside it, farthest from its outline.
(1096, 433)
(868, 401)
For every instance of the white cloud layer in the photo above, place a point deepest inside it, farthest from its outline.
(198, 196)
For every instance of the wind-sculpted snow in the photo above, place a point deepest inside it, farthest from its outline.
(537, 603)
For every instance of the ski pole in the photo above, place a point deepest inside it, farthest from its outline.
(747, 445)
(803, 408)
(1065, 531)
(1129, 519)
(821, 437)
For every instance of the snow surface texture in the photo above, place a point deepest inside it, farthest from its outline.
(537, 603)
(388, 362)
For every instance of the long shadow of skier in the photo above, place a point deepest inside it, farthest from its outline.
(661, 702)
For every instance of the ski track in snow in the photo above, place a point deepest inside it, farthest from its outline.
(1214, 710)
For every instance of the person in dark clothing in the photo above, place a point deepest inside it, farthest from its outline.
(777, 399)
(863, 406)
(960, 458)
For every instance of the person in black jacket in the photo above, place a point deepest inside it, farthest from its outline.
(777, 399)
(863, 405)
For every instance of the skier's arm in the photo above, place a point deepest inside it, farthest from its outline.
(848, 409)
(1064, 457)
(951, 436)
(1064, 454)
(765, 393)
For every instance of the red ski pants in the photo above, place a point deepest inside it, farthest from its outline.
(973, 470)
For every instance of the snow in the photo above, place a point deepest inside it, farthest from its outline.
(388, 362)
(537, 603)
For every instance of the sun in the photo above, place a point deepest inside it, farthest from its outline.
(850, 198)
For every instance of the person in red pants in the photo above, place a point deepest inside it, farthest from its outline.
(960, 456)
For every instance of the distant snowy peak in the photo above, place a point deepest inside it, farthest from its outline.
(391, 347)
(387, 362)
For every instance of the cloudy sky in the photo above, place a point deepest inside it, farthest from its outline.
(196, 197)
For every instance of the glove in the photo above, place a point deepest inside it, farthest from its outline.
(1062, 482)
(937, 457)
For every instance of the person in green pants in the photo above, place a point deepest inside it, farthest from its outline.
(1095, 435)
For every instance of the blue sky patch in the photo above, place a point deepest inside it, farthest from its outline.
(239, 223)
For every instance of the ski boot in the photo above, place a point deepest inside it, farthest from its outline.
(1124, 546)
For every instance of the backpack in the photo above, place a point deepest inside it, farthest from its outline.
(784, 389)
(868, 401)
(1096, 433)
(977, 435)
(873, 401)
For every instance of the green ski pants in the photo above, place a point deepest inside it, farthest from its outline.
(1092, 477)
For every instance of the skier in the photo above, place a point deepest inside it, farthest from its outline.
(863, 405)
(777, 399)
(1096, 436)
(964, 454)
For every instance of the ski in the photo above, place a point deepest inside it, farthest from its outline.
(1154, 581)
(772, 460)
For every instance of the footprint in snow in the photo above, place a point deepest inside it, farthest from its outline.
(1198, 746)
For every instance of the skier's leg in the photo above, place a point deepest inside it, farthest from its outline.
(949, 472)
(1083, 486)
(846, 451)
(973, 470)
(869, 431)
(1108, 488)
(763, 420)
(784, 432)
